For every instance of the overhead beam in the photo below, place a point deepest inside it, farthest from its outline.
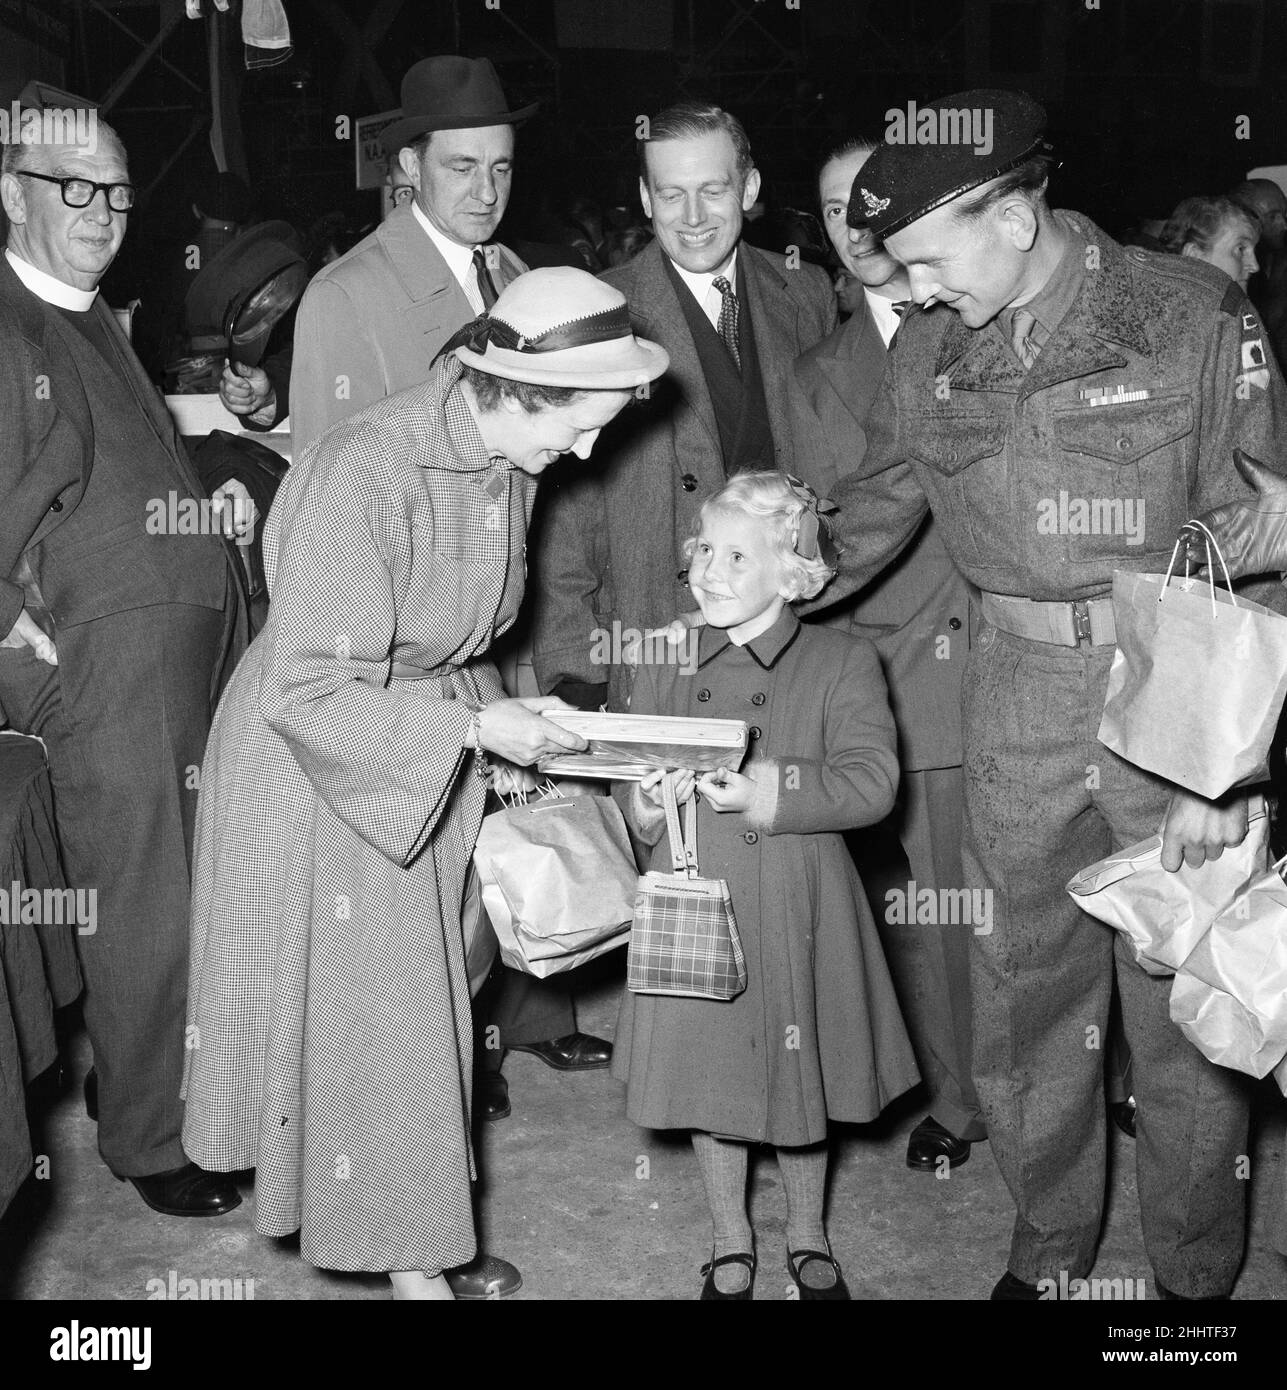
(142, 43)
(126, 80)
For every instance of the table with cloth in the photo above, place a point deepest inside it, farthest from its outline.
(38, 968)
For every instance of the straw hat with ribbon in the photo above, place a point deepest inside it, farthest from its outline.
(560, 327)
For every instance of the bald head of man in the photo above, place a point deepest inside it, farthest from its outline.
(1269, 203)
(40, 185)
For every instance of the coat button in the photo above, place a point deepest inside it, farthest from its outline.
(703, 695)
(757, 698)
(750, 837)
(688, 483)
(755, 731)
(1123, 443)
(954, 624)
(56, 505)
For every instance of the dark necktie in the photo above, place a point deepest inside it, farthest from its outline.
(728, 318)
(1023, 338)
(486, 286)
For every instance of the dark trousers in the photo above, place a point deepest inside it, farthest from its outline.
(516, 1008)
(930, 963)
(1044, 798)
(124, 716)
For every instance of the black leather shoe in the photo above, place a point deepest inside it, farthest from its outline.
(91, 1094)
(1166, 1296)
(929, 1142)
(485, 1276)
(188, 1191)
(796, 1261)
(710, 1292)
(1123, 1113)
(576, 1052)
(1010, 1289)
(491, 1096)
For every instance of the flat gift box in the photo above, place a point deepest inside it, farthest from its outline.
(626, 747)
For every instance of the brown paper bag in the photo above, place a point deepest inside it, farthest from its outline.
(1197, 682)
(1165, 915)
(558, 880)
(1230, 996)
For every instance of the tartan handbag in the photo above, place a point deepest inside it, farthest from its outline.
(684, 939)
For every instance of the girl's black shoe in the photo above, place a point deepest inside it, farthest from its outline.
(709, 1290)
(796, 1261)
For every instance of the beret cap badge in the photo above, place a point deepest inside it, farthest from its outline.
(873, 204)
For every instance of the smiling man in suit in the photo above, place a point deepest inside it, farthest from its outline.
(371, 322)
(733, 319)
(115, 635)
(918, 614)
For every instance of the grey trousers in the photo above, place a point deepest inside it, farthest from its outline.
(1043, 798)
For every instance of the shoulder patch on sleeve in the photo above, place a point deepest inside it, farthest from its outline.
(1231, 304)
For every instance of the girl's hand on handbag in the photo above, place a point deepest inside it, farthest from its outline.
(651, 786)
(727, 791)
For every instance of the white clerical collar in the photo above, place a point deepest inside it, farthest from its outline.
(49, 289)
(460, 259)
(701, 284)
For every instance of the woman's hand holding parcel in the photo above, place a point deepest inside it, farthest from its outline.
(515, 729)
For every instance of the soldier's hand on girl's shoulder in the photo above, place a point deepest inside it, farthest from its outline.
(727, 791)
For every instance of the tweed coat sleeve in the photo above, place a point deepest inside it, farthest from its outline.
(855, 782)
(881, 506)
(385, 761)
(337, 367)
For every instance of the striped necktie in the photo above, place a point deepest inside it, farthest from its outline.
(728, 318)
(486, 286)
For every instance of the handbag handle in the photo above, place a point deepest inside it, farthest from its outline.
(683, 850)
(1210, 543)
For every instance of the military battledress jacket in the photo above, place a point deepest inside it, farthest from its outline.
(329, 1010)
(1151, 379)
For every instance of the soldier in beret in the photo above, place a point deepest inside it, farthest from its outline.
(1046, 366)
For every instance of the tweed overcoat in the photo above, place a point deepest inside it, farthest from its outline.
(371, 323)
(329, 1012)
(817, 1033)
(608, 544)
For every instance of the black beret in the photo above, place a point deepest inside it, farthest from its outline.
(934, 153)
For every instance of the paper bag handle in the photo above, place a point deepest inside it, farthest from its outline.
(1210, 543)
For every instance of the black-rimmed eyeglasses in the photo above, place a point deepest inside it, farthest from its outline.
(80, 193)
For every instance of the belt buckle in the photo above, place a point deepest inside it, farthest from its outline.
(1081, 622)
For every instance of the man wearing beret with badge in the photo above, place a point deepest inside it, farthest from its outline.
(1044, 365)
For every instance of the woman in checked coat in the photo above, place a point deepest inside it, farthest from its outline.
(329, 1033)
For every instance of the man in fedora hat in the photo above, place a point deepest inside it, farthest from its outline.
(1043, 360)
(372, 321)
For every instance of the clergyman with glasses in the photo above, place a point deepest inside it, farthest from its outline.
(116, 631)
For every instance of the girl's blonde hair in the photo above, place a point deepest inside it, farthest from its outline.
(774, 498)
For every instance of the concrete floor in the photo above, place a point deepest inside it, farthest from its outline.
(589, 1206)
